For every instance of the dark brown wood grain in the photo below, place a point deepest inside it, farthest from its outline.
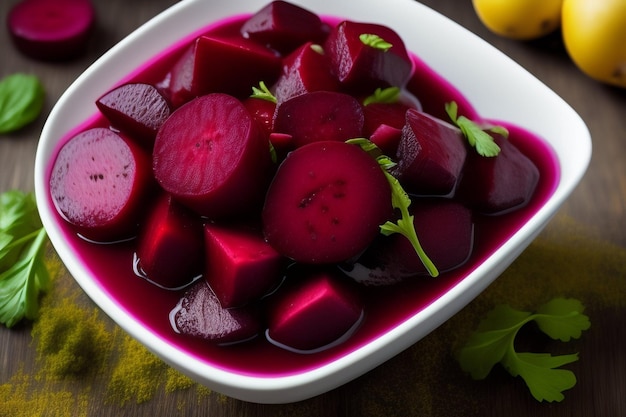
(396, 387)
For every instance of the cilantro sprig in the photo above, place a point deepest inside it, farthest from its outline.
(263, 92)
(23, 274)
(383, 95)
(399, 200)
(477, 137)
(375, 41)
(494, 342)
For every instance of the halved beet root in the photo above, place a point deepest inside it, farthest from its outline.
(98, 183)
(170, 244)
(499, 184)
(136, 109)
(313, 312)
(230, 65)
(430, 155)
(284, 26)
(326, 203)
(51, 30)
(362, 67)
(305, 70)
(199, 314)
(320, 116)
(211, 156)
(241, 267)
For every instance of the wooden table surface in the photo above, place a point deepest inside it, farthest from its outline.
(587, 237)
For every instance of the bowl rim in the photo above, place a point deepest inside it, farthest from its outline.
(403, 16)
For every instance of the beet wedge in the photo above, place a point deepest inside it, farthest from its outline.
(326, 203)
(212, 157)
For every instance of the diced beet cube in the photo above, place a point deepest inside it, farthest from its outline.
(430, 155)
(390, 114)
(229, 65)
(387, 139)
(284, 26)
(498, 184)
(199, 314)
(262, 111)
(305, 70)
(99, 182)
(170, 246)
(313, 312)
(362, 67)
(320, 116)
(241, 267)
(136, 109)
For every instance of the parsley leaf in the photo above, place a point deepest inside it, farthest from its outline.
(375, 41)
(494, 342)
(383, 95)
(23, 274)
(21, 100)
(263, 93)
(478, 138)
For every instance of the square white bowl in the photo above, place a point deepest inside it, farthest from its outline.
(498, 89)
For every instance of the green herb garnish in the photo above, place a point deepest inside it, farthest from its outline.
(375, 41)
(478, 138)
(21, 100)
(23, 274)
(399, 200)
(494, 342)
(263, 93)
(383, 95)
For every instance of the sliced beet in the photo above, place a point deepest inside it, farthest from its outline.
(241, 267)
(320, 116)
(199, 314)
(313, 312)
(498, 184)
(230, 65)
(262, 111)
(98, 183)
(361, 67)
(284, 26)
(305, 70)
(170, 244)
(430, 155)
(51, 30)
(212, 156)
(136, 109)
(326, 203)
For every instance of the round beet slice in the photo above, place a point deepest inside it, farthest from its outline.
(98, 183)
(326, 203)
(212, 156)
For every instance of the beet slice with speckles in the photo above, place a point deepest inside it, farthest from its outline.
(320, 116)
(98, 183)
(136, 109)
(326, 203)
(313, 312)
(199, 314)
(212, 157)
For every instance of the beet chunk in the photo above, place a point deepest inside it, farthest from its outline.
(98, 184)
(431, 155)
(326, 203)
(313, 312)
(136, 109)
(212, 156)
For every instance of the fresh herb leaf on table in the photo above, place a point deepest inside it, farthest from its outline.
(21, 100)
(494, 342)
(23, 273)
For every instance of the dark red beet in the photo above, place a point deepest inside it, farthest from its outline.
(284, 26)
(51, 30)
(387, 139)
(390, 114)
(241, 65)
(98, 183)
(305, 70)
(136, 109)
(262, 111)
(326, 203)
(430, 155)
(363, 68)
(320, 116)
(170, 244)
(199, 314)
(499, 184)
(241, 267)
(313, 312)
(212, 156)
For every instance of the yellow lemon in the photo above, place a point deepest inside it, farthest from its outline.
(594, 33)
(520, 19)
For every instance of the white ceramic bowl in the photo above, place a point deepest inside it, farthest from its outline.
(497, 87)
